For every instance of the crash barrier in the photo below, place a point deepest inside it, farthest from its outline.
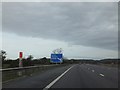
(12, 73)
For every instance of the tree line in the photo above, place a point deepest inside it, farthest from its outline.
(30, 61)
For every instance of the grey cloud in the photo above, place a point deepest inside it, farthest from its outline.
(88, 24)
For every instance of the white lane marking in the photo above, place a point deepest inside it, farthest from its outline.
(102, 75)
(54, 81)
(93, 70)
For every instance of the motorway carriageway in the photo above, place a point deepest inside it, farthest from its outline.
(70, 76)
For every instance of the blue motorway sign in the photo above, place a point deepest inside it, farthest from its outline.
(56, 58)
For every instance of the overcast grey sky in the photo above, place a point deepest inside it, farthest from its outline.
(82, 29)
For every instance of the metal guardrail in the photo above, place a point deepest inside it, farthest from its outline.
(18, 68)
(11, 73)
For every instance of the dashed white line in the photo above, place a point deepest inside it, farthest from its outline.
(102, 75)
(53, 82)
(93, 70)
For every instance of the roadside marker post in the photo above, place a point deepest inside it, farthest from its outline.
(20, 62)
(20, 59)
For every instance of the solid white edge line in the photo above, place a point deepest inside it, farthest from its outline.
(54, 81)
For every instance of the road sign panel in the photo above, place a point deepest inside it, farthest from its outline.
(56, 58)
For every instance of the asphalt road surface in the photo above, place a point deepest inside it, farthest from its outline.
(71, 76)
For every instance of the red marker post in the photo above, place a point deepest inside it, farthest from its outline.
(20, 59)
